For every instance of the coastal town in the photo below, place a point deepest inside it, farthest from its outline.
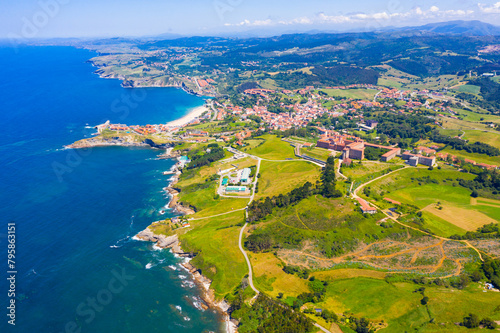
(294, 175)
(310, 106)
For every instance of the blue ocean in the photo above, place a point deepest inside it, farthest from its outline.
(76, 211)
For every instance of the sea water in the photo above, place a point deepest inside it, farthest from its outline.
(76, 211)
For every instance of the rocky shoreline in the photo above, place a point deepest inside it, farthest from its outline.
(208, 295)
(173, 243)
(122, 141)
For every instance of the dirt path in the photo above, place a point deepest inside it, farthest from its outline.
(354, 194)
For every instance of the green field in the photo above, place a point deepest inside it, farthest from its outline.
(357, 172)
(270, 277)
(468, 88)
(273, 149)
(202, 197)
(476, 117)
(478, 158)
(490, 138)
(389, 82)
(251, 144)
(318, 153)
(282, 177)
(398, 305)
(453, 215)
(365, 94)
(215, 241)
(200, 175)
(436, 82)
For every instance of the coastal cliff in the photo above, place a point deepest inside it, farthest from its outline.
(208, 295)
(173, 243)
(165, 242)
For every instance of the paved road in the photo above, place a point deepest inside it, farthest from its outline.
(209, 217)
(338, 169)
(250, 277)
(250, 272)
(322, 328)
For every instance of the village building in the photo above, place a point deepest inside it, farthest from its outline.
(365, 207)
(415, 159)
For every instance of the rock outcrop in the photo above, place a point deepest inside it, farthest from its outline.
(161, 241)
(122, 141)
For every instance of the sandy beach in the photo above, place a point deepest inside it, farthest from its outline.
(193, 114)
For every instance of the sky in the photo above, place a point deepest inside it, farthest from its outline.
(127, 18)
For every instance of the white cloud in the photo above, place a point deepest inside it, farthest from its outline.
(493, 9)
(379, 18)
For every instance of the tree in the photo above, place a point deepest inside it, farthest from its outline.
(328, 180)
(329, 316)
(488, 323)
(476, 276)
(471, 321)
(424, 300)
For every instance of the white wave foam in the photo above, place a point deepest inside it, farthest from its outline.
(188, 284)
(186, 318)
(178, 307)
(197, 303)
(182, 277)
(172, 267)
(157, 248)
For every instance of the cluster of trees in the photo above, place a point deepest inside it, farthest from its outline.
(404, 126)
(490, 91)
(200, 159)
(360, 325)
(269, 315)
(303, 132)
(260, 209)
(472, 321)
(247, 85)
(302, 273)
(491, 230)
(345, 75)
(458, 282)
(488, 180)
(327, 76)
(316, 295)
(491, 269)
(328, 181)
(277, 109)
(411, 67)
(373, 154)
(327, 315)
(459, 144)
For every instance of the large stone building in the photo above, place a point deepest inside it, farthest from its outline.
(353, 147)
(418, 159)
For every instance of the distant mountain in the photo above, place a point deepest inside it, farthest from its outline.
(464, 28)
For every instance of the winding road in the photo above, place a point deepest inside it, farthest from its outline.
(250, 276)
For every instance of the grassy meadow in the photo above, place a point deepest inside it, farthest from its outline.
(282, 177)
(273, 149)
(219, 258)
